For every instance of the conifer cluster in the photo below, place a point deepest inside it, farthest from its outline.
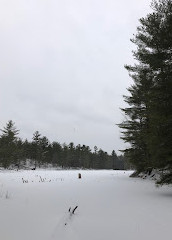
(148, 123)
(40, 152)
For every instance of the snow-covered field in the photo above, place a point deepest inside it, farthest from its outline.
(110, 206)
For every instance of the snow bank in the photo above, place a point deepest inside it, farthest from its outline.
(155, 175)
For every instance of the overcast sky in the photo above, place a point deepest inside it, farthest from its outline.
(62, 67)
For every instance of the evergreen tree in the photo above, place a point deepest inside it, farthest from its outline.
(137, 124)
(114, 159)
(148, 124)
(8, 145)
(36, 148)
(44, 149)
(57, 154)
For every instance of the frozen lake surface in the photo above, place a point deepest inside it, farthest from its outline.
(110, 206)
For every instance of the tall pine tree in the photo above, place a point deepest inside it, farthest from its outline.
(148, 124)
(8, 145)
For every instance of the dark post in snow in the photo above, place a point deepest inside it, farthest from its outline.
(79, 175)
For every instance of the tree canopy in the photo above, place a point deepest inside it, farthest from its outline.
(40, 152)
(148, 124)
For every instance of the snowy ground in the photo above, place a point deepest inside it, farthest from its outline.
(110, 206)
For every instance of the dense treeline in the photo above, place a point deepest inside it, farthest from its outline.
(148, 123)
(40, 152)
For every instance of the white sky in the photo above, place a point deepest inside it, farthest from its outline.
(62, 67)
